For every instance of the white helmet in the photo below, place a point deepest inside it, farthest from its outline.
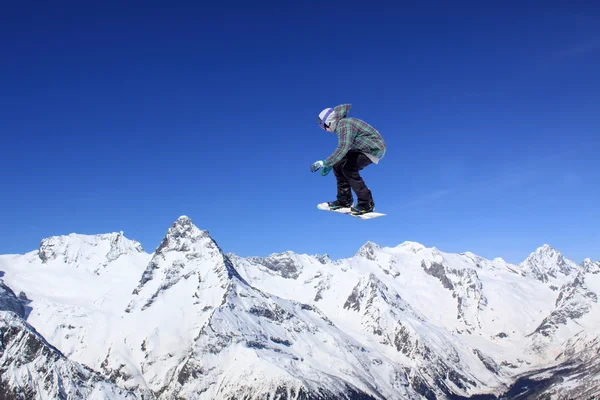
(327, 119)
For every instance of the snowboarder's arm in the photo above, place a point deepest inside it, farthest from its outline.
(344, 143)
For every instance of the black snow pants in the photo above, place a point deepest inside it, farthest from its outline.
(347, 176)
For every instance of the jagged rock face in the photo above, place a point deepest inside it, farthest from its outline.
(30, 368)
(10, 302)
(438, 270)
(371, 297)
(180, 236)
(590, 267)
(119, 246)
(465, 286)
(381, 309)
(282, 264)
(289, 267)
(322, 284)
(574, 301)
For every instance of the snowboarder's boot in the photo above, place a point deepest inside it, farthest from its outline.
(336, 205)
(360, 209)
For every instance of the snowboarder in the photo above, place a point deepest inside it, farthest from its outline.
(359, 145)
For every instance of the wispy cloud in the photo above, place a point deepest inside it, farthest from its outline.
(514, 176)
(582, 48)
(528, 172)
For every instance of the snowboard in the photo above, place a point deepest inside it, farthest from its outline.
(371, 215)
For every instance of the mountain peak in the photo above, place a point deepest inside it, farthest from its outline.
(547, 262)
(589, 266)
(75, 248)
(368, 250)
(181, 235)
(183, 223)
(411, 246)
(546, 249)
(323, 258)
(184, 219)
(185, 252)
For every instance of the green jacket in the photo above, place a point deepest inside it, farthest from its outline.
(354, 135)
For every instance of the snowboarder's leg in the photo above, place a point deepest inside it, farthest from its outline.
(344, 195)
(356, 161)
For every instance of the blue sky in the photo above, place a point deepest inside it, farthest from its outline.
(124, 117)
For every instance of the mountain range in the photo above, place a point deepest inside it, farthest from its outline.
(98, 317)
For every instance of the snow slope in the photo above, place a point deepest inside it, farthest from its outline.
(32, 368)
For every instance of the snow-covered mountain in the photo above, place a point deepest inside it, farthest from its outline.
(31, 368)
(575, 375)
(547, 264)
(87, 250)
(404, 322)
